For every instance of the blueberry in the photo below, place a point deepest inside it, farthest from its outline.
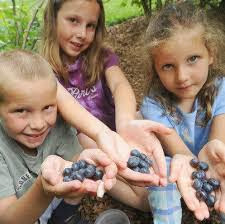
(73, 175)
(210, 200)
(194, 175)
(148, 161)
(194, 162)
(214, 183)
(82, 171)
(144, 170)
(200, 174)
(136, 169)
(208, 188)
(201, 195)
(67, 179)
(80, 176)
(197, 184)
(143, 156)
(135, 152)
(98, 174)
(75, 166)
(67, 172)
(90, 171)
(143, 164)
(133, 161)
(203, 166)
(82, 164)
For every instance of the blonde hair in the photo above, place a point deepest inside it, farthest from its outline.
(92, 57)
(24, 65)
(161, 28)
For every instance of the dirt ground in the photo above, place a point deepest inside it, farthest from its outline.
(127, 39)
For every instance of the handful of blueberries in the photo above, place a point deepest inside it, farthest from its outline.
(204, 186)
(80, 170)
(139, 162)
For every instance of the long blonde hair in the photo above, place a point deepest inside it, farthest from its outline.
(92, 57)
(161, 28)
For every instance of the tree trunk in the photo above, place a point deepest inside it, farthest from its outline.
(145, 6)
(158, 4)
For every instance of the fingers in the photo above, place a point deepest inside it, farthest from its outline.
(220, 195)
(175, 168)
(150, 179)
(157, 127)
(111, 171)
(202, 212)
(159, 158)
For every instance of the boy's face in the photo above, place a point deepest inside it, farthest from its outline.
(29, 110)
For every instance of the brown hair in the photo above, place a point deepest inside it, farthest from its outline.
(92, 57)
(161, 28)
(25, 65)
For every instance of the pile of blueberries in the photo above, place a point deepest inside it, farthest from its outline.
(80, 170)
(204, 186)
(139, 162)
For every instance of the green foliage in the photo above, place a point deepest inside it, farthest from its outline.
(20, 26)
(120, 10)
(14, 25)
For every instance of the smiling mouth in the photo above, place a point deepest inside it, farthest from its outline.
(35, 135)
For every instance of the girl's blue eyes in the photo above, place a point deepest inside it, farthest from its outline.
(167, 67)
(193, 59)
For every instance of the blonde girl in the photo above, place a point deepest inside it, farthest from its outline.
(186, 93)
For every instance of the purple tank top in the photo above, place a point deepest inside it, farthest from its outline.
(97, 99)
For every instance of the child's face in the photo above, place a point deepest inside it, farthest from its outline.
(29, 111)
(76, 26)
(182, 63)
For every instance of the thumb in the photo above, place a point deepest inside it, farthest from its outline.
(175, 168)
(157, 128)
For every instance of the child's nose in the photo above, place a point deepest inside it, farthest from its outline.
(81, 32)
(182, 75)
(37, 122)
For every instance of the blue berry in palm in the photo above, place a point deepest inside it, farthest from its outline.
(90, 171)
(143, 164)
(201, 195)
(143, 156)
(203, 166)
(79, 176)
(136, 169)
(200, 174)
(208, 188)
(194, 162)
(135, 152)
(197, 184)
(75, 166)
(210, 200)
(73, 176)
(133, 162)
(67, 172)
(144, 170)
(98, 174)
(148, 161)
(214, 183)
(67, 179)
(82, 164)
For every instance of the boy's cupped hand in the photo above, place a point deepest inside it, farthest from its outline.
(52, 178)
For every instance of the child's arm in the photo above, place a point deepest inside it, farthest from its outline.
(217, 131)
(28, 208)
(123, 95)
(173, 144)
(136, 197)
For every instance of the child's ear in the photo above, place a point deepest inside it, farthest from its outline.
(210, 60)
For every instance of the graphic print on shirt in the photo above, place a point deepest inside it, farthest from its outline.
(22, 180)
